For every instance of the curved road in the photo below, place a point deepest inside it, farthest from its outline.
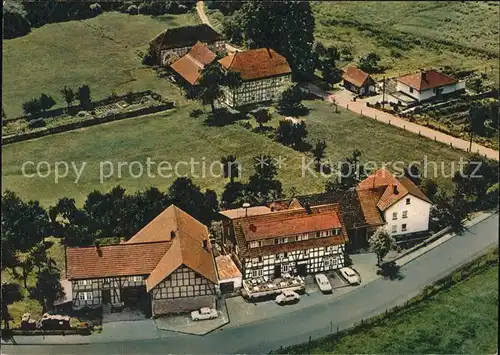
(296, 327)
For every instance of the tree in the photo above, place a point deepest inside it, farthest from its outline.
(231, 167)
(46, 102)
(232, 80)
(449, 211)
(262, 116)
(69, 95)
(233, 195)
(10, 293)
(351, 172)
(429, 188)
(286, 26)
(413, 173)
(209, 84)
(32, 107)
(319, 152)
(291, 134)
(48, 287)
(216, 232)
(369, 63)
(15, 23)
(84, 95)
(290, 103)
(381, 243)
(262, 185)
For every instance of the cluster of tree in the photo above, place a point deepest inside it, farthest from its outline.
(482, 119)
(290, 102)
(20, 16)
(25, 225)
(286, 26)
(351, 171)
(369, 63)
(156, 8)
(226, 7)
(262, 186)
(35, 107)
(327, 61)
(210, 83)
(291, 134)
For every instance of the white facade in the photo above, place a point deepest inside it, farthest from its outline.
(255, 91)
(307, 261)
(408, 215)
(430, 93)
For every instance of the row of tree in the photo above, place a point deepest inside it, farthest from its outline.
(37, 106)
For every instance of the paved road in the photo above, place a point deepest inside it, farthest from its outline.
(315, 321)
(344, 98)
(200, 8)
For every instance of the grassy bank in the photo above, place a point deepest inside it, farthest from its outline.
(101, 52)
(462, 319)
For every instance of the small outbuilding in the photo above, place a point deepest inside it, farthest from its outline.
(230, 277)
(358, 81)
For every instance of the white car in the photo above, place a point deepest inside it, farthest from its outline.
(204, 313)
(287, 297)
(350, 275)
(323, 283)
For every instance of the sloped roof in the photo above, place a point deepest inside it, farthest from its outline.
(191, 65)
(256, 63)
(394, 189)
(355, 76)
(226, 268)
(186, 36)
(427, 80)
(368, 199)
(153, 251)
(242, 212)
(114, 260)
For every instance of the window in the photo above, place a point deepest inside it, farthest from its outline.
(405, 214)
(411, 89)
(434, 90)
(403, 227)
(107, 280)
(408, 201)
(280, 240)
(85, 296)
(326, 233)
(83, 282)
(137, 278)
(394, 216)
(257, 260)
(255, 244)
(257, 272)
(285, 268)
(336, 231)
(281, 255)
(302, 237)
(394, 228)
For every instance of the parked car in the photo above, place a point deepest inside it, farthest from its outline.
(287, 297)
(204, 313)
(323, 283)
(350, 275)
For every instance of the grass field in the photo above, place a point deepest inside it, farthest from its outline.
(101, 52)
(460, 320)
(469, 28)
(175, 137)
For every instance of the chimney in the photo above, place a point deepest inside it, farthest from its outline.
(424, 75)
(396, 190)
(205, 244)
(172, 234)
(97, 248)
(269, 53)
(307, 207)
(272, 208)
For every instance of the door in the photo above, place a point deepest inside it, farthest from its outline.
(106, 296)
(277, 271)
(302, 269)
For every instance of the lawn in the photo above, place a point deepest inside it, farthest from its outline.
(460, 320)
(175, 136)
(366, 26)
(101, 52)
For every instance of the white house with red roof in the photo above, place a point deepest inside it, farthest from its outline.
(404, 208)
(427, 85)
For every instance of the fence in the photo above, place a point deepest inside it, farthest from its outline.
(87, 123)
(90, 106)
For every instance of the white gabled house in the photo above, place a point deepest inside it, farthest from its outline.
(403, 208)
(428, 85)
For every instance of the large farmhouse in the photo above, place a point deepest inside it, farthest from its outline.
(264, 72)
(397, 204)
(168, 263)
(297, 241)
(427, 85)
(180, 40)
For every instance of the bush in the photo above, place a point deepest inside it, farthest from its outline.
(196, 113)
(148, 58)
(132, 10)
(96, 8)
(37, 124)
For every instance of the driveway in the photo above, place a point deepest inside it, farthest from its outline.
(298, 325)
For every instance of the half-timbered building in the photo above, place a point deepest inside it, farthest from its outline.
(265, 74)
(169, 263)
(297, 241)
(180, 40)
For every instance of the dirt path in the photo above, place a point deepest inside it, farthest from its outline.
(200, 8)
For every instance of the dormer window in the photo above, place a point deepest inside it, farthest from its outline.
(255, 244)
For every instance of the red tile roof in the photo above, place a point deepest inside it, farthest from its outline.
(153, 251)
(301, 245)
(242, 212)
(356, 76)
(191, 65)
(427, 80)
(256, 63)
(368, 200)
(114, 260)
(393, 189)
(226, 268)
